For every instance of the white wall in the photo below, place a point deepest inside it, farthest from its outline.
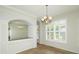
(72, 33)
(6, 46)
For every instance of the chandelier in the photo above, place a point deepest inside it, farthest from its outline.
(46, 19)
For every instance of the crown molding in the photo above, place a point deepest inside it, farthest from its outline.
(18, 10)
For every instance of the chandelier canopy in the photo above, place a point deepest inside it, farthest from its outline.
(46, 19)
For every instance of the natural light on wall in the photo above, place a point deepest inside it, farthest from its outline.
(56, 31)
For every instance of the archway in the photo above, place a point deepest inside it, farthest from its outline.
(17, 29)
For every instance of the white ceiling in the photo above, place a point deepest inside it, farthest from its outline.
(53, 10)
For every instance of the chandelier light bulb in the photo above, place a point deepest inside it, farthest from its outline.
(50, 17)
(46, 21)
(42, 19)
(45, 17)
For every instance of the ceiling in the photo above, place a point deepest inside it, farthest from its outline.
(53, 10)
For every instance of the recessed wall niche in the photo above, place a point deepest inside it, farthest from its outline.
(17, 29)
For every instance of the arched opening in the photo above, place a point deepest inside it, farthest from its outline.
(17, 29)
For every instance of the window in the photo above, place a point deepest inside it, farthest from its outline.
(56, 31)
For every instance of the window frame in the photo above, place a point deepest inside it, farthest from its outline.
(58, 40)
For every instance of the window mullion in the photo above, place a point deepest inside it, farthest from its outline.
(59, 32)
(54, 32)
